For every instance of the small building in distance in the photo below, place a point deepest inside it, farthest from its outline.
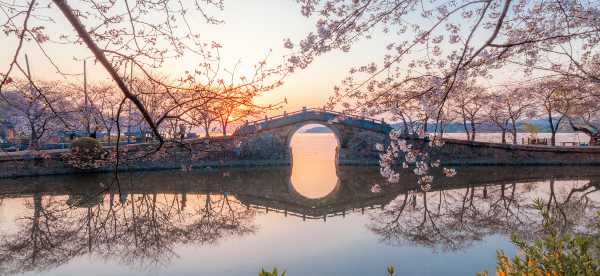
(67, 136)
(7, 131)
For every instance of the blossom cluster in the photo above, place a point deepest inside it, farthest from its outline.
(400, 151)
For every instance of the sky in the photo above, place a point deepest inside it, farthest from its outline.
(251, 29)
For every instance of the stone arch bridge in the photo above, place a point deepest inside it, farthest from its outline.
(268, 140)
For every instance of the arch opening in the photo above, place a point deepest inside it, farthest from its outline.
(314, 152)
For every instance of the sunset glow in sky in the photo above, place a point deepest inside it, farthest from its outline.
(250, 31)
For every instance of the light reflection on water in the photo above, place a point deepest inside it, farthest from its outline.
(235, 221)
(313, 164)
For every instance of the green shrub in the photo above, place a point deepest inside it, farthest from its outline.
(391, 270)
(86, 153)
(273, 273)
(87, 148)
(553, 253)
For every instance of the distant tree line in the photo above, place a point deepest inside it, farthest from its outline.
(562, 103)
(41, 112)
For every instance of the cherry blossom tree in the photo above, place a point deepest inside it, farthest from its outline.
(126, 36)
(516, 104)
(469, 104)
(36, 109)
(583, 115)
(441, 43)
(554, 98)
(497, 114)
(204, 117)
(104, 105)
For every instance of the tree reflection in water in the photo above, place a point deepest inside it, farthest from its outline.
(143, 222)
(453, 219)
(141, 232)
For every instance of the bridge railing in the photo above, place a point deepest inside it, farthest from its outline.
(304, 216)
(285, 114)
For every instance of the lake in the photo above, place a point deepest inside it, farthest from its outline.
(314, 218)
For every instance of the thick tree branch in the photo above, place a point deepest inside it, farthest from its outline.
(84, 35)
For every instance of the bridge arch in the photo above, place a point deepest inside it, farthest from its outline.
(313, 160)
(294, 129)
(267, 141)
(301, 196)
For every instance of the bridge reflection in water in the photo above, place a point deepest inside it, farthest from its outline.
(141, 221)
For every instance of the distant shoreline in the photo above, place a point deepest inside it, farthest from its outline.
(316, 130)
(453, 128)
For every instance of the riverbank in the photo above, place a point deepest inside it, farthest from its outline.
(218, 152)
(473, 153)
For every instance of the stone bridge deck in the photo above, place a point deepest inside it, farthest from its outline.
(314, 115)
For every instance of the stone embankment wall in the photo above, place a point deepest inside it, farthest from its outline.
(461, 152)
(183, 156)
(221, 152)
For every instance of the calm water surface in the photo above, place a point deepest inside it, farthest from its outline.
(311, 219)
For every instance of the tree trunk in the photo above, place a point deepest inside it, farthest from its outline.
(589, 130)
(466, 129)
(472, 130)
(503, 136)
(108, 135)
(33, 140)
(552, 130)
(405, 124)
(514, 132)
(88, 125)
